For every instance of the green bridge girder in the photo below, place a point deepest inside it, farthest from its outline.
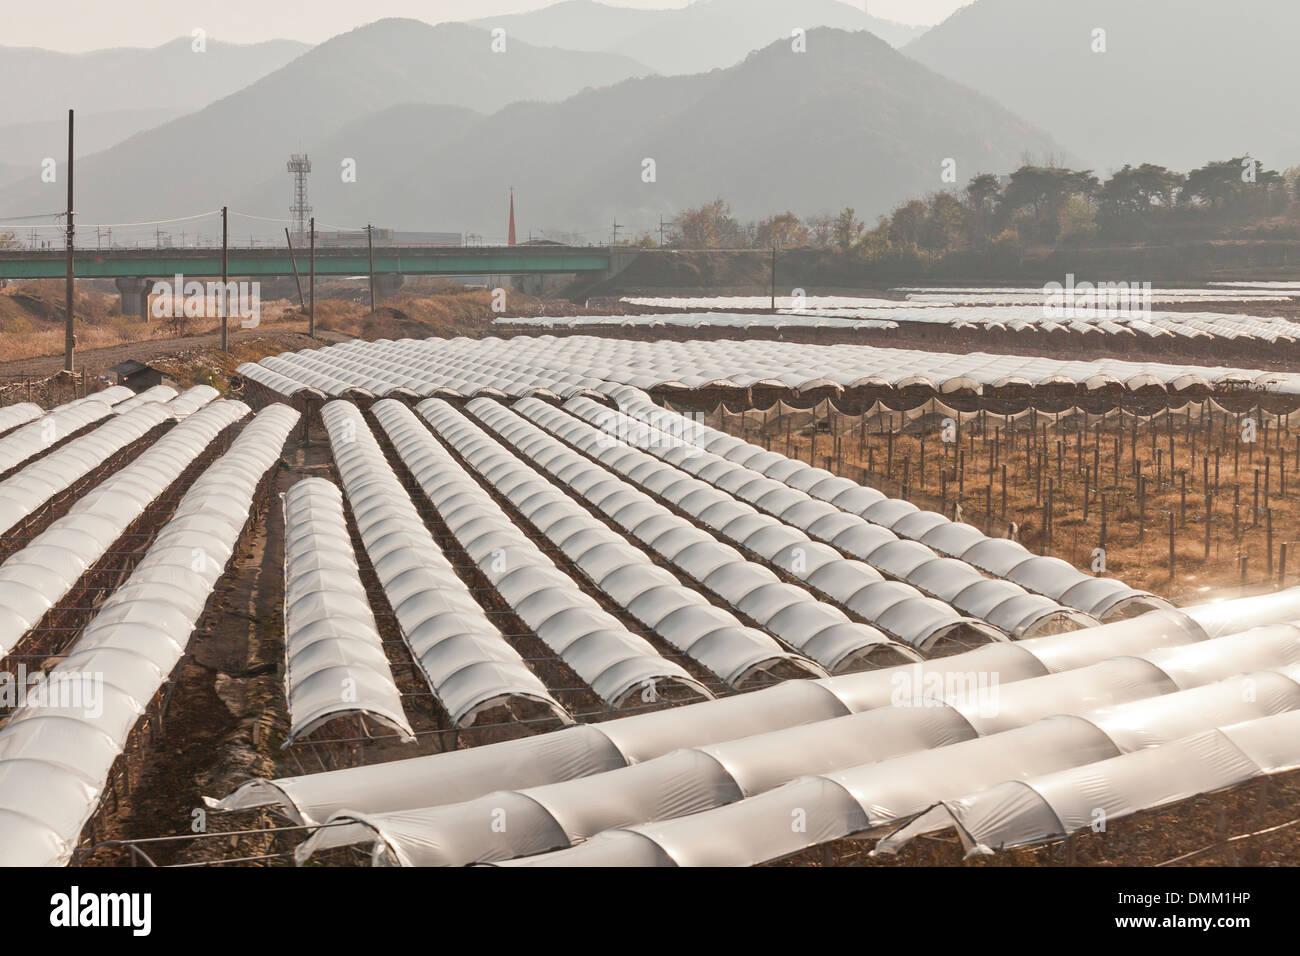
(254, 263)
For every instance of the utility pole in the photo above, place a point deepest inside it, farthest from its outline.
(614, 241)
(293, 261)
(370, 246)
(69, 336)
(225, 276)
(311, 306)
(774, 277)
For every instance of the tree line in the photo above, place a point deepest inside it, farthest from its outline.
(1035, 206)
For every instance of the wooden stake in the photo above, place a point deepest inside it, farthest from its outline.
(1209, 515)
(1103, 521)
(1254, 521)
(1142, 505)
(1171, 548)
(1268, 539)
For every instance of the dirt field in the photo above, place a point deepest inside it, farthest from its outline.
(225, 720)
(1078, 477)
(224, 717)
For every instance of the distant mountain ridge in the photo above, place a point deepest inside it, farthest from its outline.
(9, 174)
(706, 35)
(170, 78)
(1181, 82)
(26, 144)
(248, 135)
(850, 123)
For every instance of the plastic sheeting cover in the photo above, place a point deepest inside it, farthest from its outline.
(37, 436)
(468, 663)
(567, 366)
(1043, 808)
(452, 778)
(336, 663)
(880, 792)
(36, 578)
(679, 615)
(56, 752)
(24, 492)
(612, 660)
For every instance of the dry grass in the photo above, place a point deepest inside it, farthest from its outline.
(31, 316)
(31, 320)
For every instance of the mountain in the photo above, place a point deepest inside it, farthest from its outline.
(10, 174)
(392, 148)
(1181, 81)
(852, 122)
(171, 79)
(201, 160)
(703, 36)
(578, 24)
(26, 144)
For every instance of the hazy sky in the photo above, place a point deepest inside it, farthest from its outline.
(78, 25)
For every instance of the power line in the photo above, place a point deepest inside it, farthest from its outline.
(120, 225)
(46, 215)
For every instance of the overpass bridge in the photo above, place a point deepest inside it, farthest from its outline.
(136, 269)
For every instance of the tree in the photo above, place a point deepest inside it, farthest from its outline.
(709, 227)
(1005, 249)
(982, 195)
(1292, 177)
(982, 192)
(1077, 217)
(848, 229)
(821, 230)
(1135, 198)
(945, 223)
(907, 225)
(1236, 188)
(1048, 187)
(1140, 190)
(1044, 191)
(784, 231)
(1214, 184)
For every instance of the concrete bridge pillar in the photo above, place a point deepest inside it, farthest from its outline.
(620, 257)
(531, 284)
(135, 295)
(388, 283)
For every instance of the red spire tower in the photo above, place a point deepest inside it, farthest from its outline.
(511, 240)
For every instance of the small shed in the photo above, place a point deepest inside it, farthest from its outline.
(137, 376)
